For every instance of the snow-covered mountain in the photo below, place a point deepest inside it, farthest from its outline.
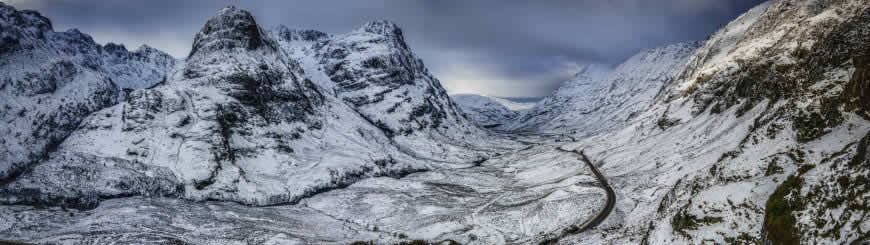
(374, 71)
(50, 81)
(254, 117)
(484, 110)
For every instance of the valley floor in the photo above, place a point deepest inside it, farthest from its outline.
(522, 196)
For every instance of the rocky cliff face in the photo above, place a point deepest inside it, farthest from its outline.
(796, 52)
(797, 67)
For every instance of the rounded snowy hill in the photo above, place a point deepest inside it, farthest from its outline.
(484, 110)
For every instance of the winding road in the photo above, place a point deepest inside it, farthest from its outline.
(609, 205)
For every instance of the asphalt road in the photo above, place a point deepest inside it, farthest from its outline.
(609, 205)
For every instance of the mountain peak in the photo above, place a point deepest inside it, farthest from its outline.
(24, 18)
(382, 27)
(228, 8)
(145, 48)
(115, 47)
(387, 29)
(231, 28)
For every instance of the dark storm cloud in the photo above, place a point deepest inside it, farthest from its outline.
(505, 48)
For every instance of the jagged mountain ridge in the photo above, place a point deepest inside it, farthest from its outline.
(245, 118)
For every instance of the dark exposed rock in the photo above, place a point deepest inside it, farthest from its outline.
(264, 90)
(857, 92)
(231, 28)
(289, 35)
(791, 73)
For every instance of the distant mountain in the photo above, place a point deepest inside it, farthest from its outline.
(517, 104)
(483, 110)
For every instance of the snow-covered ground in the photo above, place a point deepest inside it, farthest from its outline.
(521, 196)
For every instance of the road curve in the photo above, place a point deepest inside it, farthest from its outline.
(609, 205)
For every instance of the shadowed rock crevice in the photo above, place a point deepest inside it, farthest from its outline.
(857, 92)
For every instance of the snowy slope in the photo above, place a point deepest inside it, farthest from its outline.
(598, 99)
(483, 110)
(582, 87)
(50, 81)
(761, 139)
(516, 198)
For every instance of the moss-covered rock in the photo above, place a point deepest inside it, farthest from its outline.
(684, 221)
(780, 223)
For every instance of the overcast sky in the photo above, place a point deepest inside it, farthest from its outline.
(510, 48)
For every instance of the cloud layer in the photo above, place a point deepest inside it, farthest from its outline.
(506, 48)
